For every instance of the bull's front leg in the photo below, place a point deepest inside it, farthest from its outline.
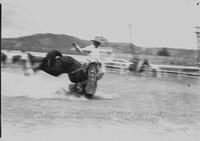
(77, 88)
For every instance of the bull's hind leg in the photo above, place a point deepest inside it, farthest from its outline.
(73, 90)
(79, 88)
(91, 84)
(76, 88)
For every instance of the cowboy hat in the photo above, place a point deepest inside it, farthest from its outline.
(98, 39)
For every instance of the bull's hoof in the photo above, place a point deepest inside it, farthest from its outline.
(88, 96)
(72, 88)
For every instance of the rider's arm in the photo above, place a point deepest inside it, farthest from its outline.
(81, 50)
(78, 48)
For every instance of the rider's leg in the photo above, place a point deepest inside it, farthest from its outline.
(91, 85)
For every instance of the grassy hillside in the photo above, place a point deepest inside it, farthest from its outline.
(43, 43)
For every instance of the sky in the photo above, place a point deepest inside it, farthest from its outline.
(146, 23)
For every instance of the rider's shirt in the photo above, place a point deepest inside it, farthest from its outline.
(94, 56)
(94, 53)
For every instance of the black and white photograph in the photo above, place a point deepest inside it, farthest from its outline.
(100, 70)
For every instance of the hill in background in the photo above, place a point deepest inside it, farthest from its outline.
(43, 43)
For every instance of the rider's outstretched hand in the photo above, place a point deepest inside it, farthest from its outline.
(74, 44)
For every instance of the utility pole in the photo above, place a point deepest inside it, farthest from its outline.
(198, 45)
(130, 33)
(132, 50)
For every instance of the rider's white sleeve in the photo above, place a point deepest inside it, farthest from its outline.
(88, 48)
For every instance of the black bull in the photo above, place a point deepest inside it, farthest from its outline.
(69, 65)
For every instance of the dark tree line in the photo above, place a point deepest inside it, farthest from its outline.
(163, 52)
